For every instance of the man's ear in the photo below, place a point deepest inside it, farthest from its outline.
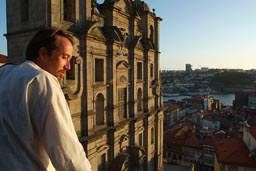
(43, 53)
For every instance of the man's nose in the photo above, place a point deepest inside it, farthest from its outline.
(67, 66)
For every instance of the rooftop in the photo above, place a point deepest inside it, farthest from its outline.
(3, 59)
(231, 150)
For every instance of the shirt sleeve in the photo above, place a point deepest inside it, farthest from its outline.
(52, 119)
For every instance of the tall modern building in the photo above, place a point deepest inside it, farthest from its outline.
(189, 68)
(113, 88)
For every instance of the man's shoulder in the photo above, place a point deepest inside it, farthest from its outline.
(26, 70)
(6, 69)
(29, 66)
(32, 70)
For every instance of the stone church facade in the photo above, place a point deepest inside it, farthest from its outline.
(113, 88)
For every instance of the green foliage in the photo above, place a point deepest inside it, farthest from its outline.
(231, 78)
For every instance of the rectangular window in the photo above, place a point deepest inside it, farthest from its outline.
(24, 10)
(140, 139)
(151, 70)
(69, 10)
(139, 70)
(99, 70)
(152, 136)
(122, 103)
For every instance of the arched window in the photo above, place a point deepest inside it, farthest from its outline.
(100, 109)
(139, 100)
(139, 70)
(102, 162)
(99, 70)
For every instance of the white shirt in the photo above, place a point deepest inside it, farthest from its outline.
(36, 128)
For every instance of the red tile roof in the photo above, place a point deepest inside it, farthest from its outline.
(3, 59)
(193, 141)
(182, 135)
(193, 101)
(233, 151)
(209, 141)
(205, 112)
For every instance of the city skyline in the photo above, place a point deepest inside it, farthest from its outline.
(212, 33)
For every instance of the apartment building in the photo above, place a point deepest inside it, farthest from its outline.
(252, 100)
(249, 138)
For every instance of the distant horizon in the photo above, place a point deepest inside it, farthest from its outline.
(214, 33)
(193, 69)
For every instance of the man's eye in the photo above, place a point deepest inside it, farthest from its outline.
(65, 56)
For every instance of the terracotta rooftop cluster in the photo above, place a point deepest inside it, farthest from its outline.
(232, 150)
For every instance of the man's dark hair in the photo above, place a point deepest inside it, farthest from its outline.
(45, 38)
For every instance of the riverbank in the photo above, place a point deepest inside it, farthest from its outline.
(225, 98)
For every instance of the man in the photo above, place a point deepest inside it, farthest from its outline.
(36, 130)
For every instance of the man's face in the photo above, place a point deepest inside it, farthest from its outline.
(58, 62)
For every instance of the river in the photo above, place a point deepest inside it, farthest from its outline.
(226, 99)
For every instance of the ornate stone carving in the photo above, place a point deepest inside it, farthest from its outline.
(72, 87)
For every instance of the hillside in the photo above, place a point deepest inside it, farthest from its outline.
(231, 78)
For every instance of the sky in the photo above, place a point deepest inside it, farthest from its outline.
(203, 33)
